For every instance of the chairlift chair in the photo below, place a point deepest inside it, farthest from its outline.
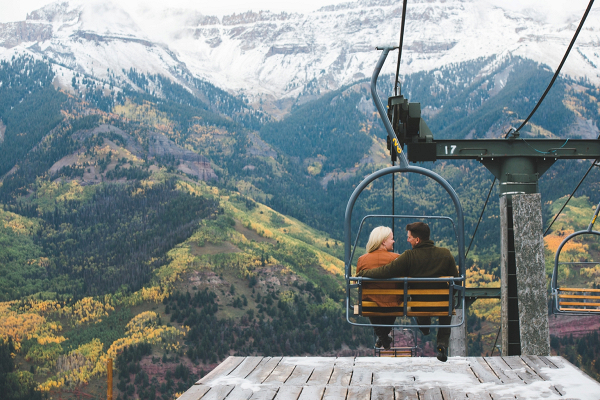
(575, 301)
(456, 285)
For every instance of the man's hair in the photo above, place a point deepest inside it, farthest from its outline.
(376, 238)
(419, 230)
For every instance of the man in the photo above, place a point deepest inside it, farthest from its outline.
(380, 252)
(423, 261)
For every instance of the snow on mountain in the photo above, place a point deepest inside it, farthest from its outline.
(88, 37)
(273, 57)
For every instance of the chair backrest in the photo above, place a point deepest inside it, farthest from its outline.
(421, 302)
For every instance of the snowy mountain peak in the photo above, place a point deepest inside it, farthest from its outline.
(99, 17)
(282, 58)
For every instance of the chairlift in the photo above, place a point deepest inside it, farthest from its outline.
(575, 301)
(456, 285)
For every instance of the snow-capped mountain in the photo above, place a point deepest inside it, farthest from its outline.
(276, 58)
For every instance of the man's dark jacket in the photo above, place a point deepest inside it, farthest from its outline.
(424, 260)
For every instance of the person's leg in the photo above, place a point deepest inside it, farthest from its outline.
(443, 335)
(443, 339)
(382, 332)
(424, 321)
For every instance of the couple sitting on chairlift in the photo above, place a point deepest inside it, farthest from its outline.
(424, 260)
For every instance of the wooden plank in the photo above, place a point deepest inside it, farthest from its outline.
(448, 394)
(194, 393)
(264, 369)
(590, 310)
(321, 375)
(405, 393)
(430, 394)
(578, 290)
(381, 314)
(345, 361)
(288, 393)
(521, 369)
(218, 392)
(502, 370)
(265, 393)
(239, 393)
(361, 376)
(399, 313)
(482, 370)
(552, 362)
(536, 365)
(436, 292)
(222, 369)
(575, 296)
(300, 375)
(340, 376)
(335, 393)
(246, 367)
(384, 291)
(428, 304)
(429, 291)
(280, 374)
(359, 393)
(368, 303)
(428, 314)
(312, 393)
(342, 371)
(477, 395)
(382, 392)
(579, 303)
(559, 389)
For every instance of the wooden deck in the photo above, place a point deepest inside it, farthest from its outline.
(419, 378)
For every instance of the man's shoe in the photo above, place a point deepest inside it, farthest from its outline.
(387, 342)
(442, 353)
(384, 342)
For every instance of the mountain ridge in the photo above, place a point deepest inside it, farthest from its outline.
(270, 57)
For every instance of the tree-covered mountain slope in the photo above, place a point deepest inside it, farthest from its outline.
(150, 224)
(114, 246)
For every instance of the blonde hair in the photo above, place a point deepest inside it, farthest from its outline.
(377, 237)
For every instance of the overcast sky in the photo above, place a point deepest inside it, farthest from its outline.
(16, 10)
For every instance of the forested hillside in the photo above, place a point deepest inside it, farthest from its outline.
(169, 228)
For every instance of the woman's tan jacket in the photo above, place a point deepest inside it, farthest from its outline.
(377, 259)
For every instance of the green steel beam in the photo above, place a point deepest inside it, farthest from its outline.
(487, 149)
(517, 163)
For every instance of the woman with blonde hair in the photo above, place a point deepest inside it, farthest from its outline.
(379, 253)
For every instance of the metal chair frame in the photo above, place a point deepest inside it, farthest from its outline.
(457, 284)
(557, 292)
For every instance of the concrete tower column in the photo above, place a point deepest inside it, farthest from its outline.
(524, 298)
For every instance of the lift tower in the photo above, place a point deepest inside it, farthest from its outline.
(517, 163)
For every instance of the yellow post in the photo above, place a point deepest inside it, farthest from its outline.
(109, 379)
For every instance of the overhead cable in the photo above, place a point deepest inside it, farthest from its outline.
(572, 193)
(480, 216)
(589, 7)
(400, 48)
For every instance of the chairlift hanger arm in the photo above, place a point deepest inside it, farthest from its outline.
(379, 105)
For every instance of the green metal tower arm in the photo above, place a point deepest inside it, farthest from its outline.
(488, 149)
(517, 163)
